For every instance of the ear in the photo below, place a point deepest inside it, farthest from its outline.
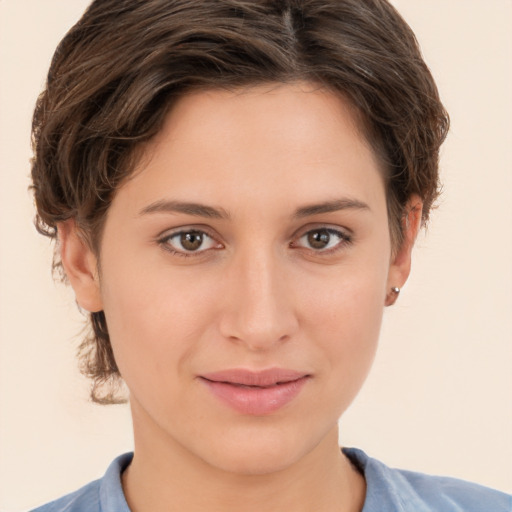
(400, 266)
(81, 266)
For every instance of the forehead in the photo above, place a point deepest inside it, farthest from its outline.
(219, 145)
(271, 110)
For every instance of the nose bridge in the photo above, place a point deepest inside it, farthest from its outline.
(258, 309)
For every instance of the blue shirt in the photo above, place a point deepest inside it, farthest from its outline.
(387, 490)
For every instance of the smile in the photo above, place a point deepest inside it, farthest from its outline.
(255, 393)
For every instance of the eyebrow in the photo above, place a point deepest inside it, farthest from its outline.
(329, 207)
(201, 210)
(195, 209)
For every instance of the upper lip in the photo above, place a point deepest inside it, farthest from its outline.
(262, 378)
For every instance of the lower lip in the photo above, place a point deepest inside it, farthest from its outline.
(257, 401)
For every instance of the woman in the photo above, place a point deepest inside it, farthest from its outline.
(236, 188)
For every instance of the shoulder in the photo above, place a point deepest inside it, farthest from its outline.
(100, 495)
(456, 494)
(407, 491)
(85, 499)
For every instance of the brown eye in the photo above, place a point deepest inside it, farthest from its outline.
(191, 241)
(323, 240)
(319, 239)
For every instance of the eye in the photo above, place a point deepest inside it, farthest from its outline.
(323, 239)
(187, 242)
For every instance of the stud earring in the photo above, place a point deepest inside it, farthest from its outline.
(392, 295)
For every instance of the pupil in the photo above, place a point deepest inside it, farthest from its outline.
(191, 241)
(319, 239)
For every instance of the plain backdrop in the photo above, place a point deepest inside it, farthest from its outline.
(439, 397)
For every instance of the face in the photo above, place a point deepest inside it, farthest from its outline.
(244, 270)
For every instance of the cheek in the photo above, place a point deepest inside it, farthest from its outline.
(343, 316)
(154, 318)
(347, 298)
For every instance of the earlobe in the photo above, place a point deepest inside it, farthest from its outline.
(401, 263)
(80, 265)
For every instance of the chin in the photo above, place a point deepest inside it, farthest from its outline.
(256, 460)
(259, 450)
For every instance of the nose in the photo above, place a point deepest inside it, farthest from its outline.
(258, 307)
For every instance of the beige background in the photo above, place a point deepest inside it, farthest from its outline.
(439, 397)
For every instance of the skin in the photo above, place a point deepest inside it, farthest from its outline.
(255, 295)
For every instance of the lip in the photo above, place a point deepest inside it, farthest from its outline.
(256, 393)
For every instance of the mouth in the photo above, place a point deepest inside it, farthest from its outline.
(256, 393)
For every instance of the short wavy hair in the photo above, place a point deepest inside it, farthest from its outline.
(117, 72)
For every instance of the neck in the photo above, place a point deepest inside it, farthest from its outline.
(163, 474)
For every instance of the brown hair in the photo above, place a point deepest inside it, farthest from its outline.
(117, 71)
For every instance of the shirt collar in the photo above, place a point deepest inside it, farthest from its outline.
(112, 497)
(386, 489)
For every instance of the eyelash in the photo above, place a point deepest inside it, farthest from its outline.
(345, 239)
(165, 242)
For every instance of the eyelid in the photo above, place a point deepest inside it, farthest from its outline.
(203, 228)
(345, 238)
(163, 240)
(345, 235)
(344, 231)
